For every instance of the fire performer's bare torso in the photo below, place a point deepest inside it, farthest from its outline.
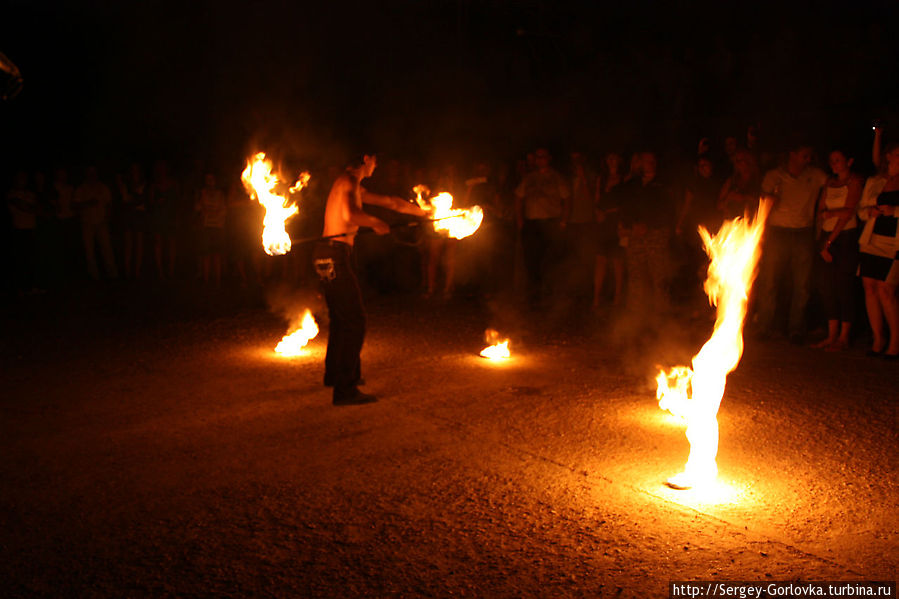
(333, 262)
(343, 212)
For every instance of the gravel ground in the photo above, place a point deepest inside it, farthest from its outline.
(156, 448)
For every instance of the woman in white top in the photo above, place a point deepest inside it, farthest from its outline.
(836, 215)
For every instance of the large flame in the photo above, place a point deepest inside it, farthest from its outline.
(696, 394)
(262, 184)
(457, 222)
(498, 350)
(298, 336)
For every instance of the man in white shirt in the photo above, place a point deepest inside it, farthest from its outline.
(789, 244)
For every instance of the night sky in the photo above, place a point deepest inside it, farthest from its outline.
(117, 81)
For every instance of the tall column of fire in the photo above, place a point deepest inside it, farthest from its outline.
(696, 394)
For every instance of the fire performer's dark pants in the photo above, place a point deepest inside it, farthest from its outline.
(334, 265)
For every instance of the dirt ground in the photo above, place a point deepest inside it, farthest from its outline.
(155, 448)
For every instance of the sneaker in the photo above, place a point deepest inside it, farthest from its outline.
(352, 397)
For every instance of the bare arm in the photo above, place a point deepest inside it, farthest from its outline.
(361, 218)
(392, 203)
(852, 199)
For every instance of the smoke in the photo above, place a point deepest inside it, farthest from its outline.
(291, 303)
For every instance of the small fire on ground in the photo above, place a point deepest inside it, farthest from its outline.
(298, 336)
(497, 350)
(695, 394)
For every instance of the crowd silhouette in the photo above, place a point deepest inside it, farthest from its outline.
(610, 234)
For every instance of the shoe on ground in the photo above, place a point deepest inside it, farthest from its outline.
(352, 397)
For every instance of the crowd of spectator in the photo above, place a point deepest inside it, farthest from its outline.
(614, 233)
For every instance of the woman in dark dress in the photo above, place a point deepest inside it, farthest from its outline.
(878, 245)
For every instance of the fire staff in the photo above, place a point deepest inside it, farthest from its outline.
(334, 266)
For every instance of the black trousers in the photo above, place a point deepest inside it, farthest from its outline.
(838, 277)
(333, 262)
(541, 244)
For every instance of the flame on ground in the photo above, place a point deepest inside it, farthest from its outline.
(498, 350)
(262, 185)
(298, 336)
(458, 223)
(695, 394)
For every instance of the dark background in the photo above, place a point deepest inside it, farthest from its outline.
(462, 79)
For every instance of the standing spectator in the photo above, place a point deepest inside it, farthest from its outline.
(878, 245)
(92, 199)
(501, 216)
(542, 198)
(241, 230)
(648, 215)
(608, 211)
(135, 191)
(441, 247)
(68, 235)
(836, 211)
(740, 192)
(22, 205)
(731, 145)
(481, 190)
(213, 211)
(581, 231)
(164, 200)
(789, 243)
(700, 200)
(45, 233)
(699, 209)
(634, 169)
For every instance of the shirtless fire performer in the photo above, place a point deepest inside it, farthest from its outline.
(334, 266)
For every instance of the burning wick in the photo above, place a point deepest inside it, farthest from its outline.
(695, 394)
(298, 336)
(262, 184)
(498, 350)
(456, 222)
